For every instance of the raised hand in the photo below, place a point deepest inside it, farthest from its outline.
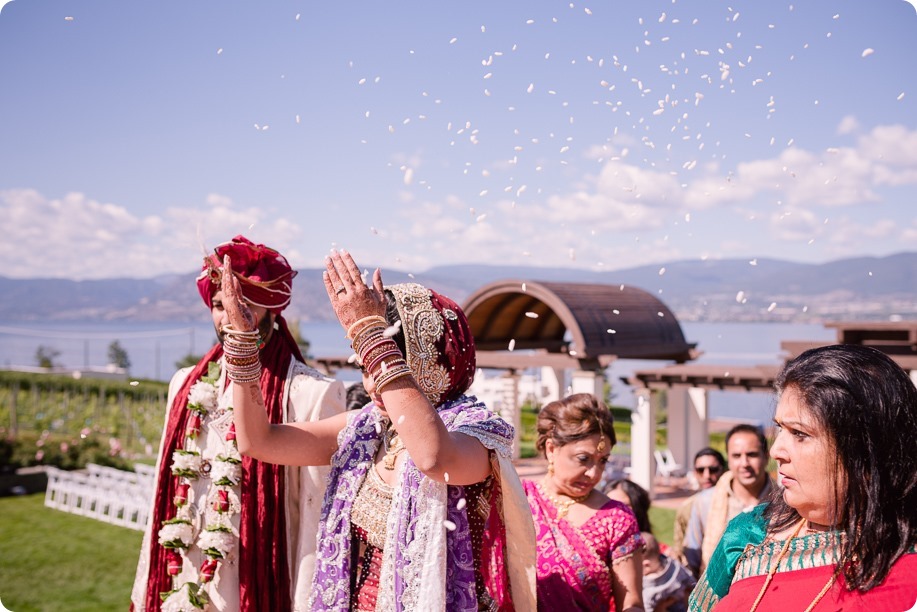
(240, 315)
(351, 299)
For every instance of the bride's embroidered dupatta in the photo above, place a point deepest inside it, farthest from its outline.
(426, 565)
(428, 560)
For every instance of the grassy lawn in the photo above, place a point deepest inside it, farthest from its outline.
(662, 520)
(51, 560)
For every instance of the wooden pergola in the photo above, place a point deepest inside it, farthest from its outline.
(519, 324)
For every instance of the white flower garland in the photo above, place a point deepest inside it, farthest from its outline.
(216, 540)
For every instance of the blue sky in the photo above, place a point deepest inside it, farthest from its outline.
(595, 135)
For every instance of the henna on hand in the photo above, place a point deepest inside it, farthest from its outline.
(240, 315)
(351, 299)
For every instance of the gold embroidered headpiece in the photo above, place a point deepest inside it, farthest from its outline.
(438, 341)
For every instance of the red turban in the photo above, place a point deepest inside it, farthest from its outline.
(264, 274)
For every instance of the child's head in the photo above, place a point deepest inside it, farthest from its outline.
(651, 561)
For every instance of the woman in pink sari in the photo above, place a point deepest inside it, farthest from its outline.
(589, 547)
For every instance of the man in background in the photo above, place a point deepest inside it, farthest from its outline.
(229, 532)
(742, 488)
(709, 465)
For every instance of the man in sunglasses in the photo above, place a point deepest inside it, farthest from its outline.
(709, 465)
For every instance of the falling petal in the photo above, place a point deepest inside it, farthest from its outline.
(392, 330)
(867, 52)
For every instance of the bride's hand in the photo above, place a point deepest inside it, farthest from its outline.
(351, 299)
(240, 315)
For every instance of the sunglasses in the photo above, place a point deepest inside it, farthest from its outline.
(713, 469)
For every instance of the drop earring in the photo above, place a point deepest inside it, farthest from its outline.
(550, 467)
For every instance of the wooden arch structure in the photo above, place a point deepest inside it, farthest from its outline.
(571, 324)
(519, 324)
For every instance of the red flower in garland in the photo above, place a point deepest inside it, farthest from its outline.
(231, 435)
(173, 563)
(194, 426)
(208, 569)
(221, 503)
(181, 494)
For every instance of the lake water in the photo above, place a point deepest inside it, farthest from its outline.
(154, 348)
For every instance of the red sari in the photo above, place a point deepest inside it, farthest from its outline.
(738, 570)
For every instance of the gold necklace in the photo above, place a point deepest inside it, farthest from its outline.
(773, 570)
(393, 446)
(563, 505)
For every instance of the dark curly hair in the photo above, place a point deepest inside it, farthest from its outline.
(867, 405)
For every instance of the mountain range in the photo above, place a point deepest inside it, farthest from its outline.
(861, 288)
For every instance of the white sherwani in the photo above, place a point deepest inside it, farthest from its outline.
(308, 396)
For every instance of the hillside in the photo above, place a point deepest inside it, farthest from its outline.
(722, 290)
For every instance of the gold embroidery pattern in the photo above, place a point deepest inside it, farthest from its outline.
(423, 327)
(805, 552)
(371, 508)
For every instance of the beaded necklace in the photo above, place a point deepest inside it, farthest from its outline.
(562, 505)
(773, 570)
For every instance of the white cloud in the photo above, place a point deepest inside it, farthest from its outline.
(622, 215)
(80, 238)
(848, 125)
